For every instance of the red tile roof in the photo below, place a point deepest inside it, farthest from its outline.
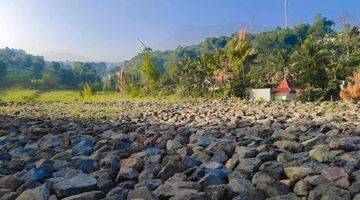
(283, 87)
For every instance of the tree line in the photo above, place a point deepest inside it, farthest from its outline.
(21, 70)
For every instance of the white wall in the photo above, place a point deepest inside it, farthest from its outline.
(257, 94)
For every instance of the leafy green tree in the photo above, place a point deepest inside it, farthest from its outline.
(169, 81)
(15, 78)
(68, 80)
(321, 27)
(302, 32)
(311, 59)
(343, 59)
(50, 78)
(149, 74)
(186, 74)
(193, 73)
(87, 75)
(37, 66)
(2, 70)
(240, 55)
(280, 62)
(110, 83)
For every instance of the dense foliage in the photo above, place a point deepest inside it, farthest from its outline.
(22, 70)
(314, 57)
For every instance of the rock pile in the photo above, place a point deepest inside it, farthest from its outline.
(224, 149)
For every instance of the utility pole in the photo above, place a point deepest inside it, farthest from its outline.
(286, 14)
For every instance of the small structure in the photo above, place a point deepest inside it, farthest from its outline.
(284, 91)
(260, 94)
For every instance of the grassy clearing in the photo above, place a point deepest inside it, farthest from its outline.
(74, 96)
(18, 95)
(58, 96)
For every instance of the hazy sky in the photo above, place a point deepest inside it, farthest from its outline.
(107, 29)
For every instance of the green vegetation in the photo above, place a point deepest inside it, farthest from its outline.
(21, 70)
(18, 95)
(70, 96)
(149, 74)
(58, 96)
(315, 57)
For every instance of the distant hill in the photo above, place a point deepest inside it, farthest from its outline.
(190, 35)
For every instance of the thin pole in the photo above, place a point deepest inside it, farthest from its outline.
(286, 14)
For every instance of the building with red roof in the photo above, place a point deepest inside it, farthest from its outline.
(284, 91)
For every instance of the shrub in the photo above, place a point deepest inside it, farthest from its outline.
(87, 90)
(352, 91)
(261, 100)
(310, 95)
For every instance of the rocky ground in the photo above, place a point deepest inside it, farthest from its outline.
(224, 149)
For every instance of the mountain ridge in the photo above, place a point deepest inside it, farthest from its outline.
(193, 35)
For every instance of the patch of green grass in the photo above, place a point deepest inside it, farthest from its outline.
(69, 96)
(110, 97)
(101, 97)
(18, 95)
(58, 96)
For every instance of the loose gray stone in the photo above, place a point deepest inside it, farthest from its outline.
(76, 185)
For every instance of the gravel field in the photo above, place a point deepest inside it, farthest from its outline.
(215, 149)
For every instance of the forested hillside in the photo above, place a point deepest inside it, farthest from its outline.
(315, 57)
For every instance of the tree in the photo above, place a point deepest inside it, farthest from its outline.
(310, 62)
(240, 55)
(37, 66)
(56, 77)
(2, 70)
(310, 59)
(68, 79)
(185, 72)
(280, 62)
(149, 74)
(87, 75)
(322, 27)
(50, 77)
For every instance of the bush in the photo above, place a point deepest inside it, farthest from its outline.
(87, 90)
(352, 91)
(238, 89)
(310, 95)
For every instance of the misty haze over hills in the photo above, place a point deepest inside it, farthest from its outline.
(184, 36)
(63, 56)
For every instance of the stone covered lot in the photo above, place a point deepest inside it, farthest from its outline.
(219, 149)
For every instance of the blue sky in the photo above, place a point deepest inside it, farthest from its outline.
(108, 29)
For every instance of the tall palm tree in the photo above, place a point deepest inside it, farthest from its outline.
(280, 62)
(311, 61)
(240, 54)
